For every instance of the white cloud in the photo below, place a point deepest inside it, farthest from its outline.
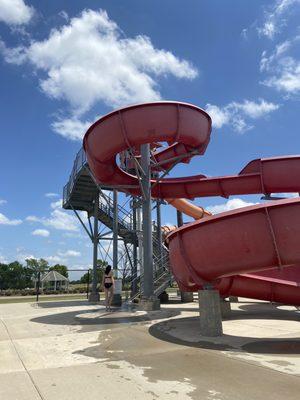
(50, 194)
(218, 115)
(40, 232)
(70, 253)
(268, 29)
(71, 128)
(63, 14)
(255, 110)
(274, 19)
(32, 218)
(14, 55)
(53, 259)
(231, 204)
(287, 76)
(6, 221)
(3, 259)
(22, 257)
(15, 12)
(282, 67)
(59, 219)
(89, 61)
(56, 204)
(287, 195)
(237, 114)
(2, 201)
(74, 235)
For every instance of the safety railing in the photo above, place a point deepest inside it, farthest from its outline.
(79, 162)
(124, 217)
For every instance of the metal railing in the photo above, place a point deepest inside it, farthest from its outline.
(124, 216)
(79, 162)
(162, 276)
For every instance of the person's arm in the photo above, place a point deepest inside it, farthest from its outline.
(112, 279)
(102, 284)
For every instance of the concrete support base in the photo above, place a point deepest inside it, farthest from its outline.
(187, 297)
(210, 313)
(94, 297)
(225, 308)
(164, 297)
(149, 304)
(117, 300)
(233, 299)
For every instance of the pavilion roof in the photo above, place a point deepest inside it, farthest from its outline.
(53, 276)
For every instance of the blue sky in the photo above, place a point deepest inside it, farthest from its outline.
(63, 64)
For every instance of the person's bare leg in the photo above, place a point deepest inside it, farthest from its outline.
(106, 299)
(111, 295)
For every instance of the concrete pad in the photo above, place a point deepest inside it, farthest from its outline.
(20, 318)
(77, 351)
(57, 351)
(10, 361)
(17, 386)
(108, 381)
(3, 332)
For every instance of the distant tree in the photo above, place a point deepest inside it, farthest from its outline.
(75, 282)
(100, 270)
(62, 269)
(17, 279)
(36, 266)
(14, 276)
(86, 277)
(102, 264)
(3, 276)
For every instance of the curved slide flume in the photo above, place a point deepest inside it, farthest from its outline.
(226, 249)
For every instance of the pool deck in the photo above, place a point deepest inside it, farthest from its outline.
(74, 350)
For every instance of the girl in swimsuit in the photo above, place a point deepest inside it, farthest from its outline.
(108, 285)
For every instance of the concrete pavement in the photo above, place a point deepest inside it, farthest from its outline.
(74, 350)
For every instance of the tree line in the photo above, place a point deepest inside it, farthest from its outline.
(16, 275)
(21, 276)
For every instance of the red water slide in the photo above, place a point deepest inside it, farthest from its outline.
(225, 250)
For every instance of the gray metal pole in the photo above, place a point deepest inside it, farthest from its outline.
(147, 223)
(94, 296)
(135, 258)
(179, 218)
(115, 232)
(159, 233)
(186, 297)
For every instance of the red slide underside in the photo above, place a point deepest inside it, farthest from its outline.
(228, 249)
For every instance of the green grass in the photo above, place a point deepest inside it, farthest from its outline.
(79, 296)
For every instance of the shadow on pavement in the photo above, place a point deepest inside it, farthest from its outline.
(62, 303)
(166, 331)
(99, 317)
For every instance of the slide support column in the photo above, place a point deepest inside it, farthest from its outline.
(94, 295)
(117, 297)
(134, 286)
(185, 297)
(159, 233)
(149, 301)
(210, 312)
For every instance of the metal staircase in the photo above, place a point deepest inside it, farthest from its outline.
(79, 194)
(125, 224)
